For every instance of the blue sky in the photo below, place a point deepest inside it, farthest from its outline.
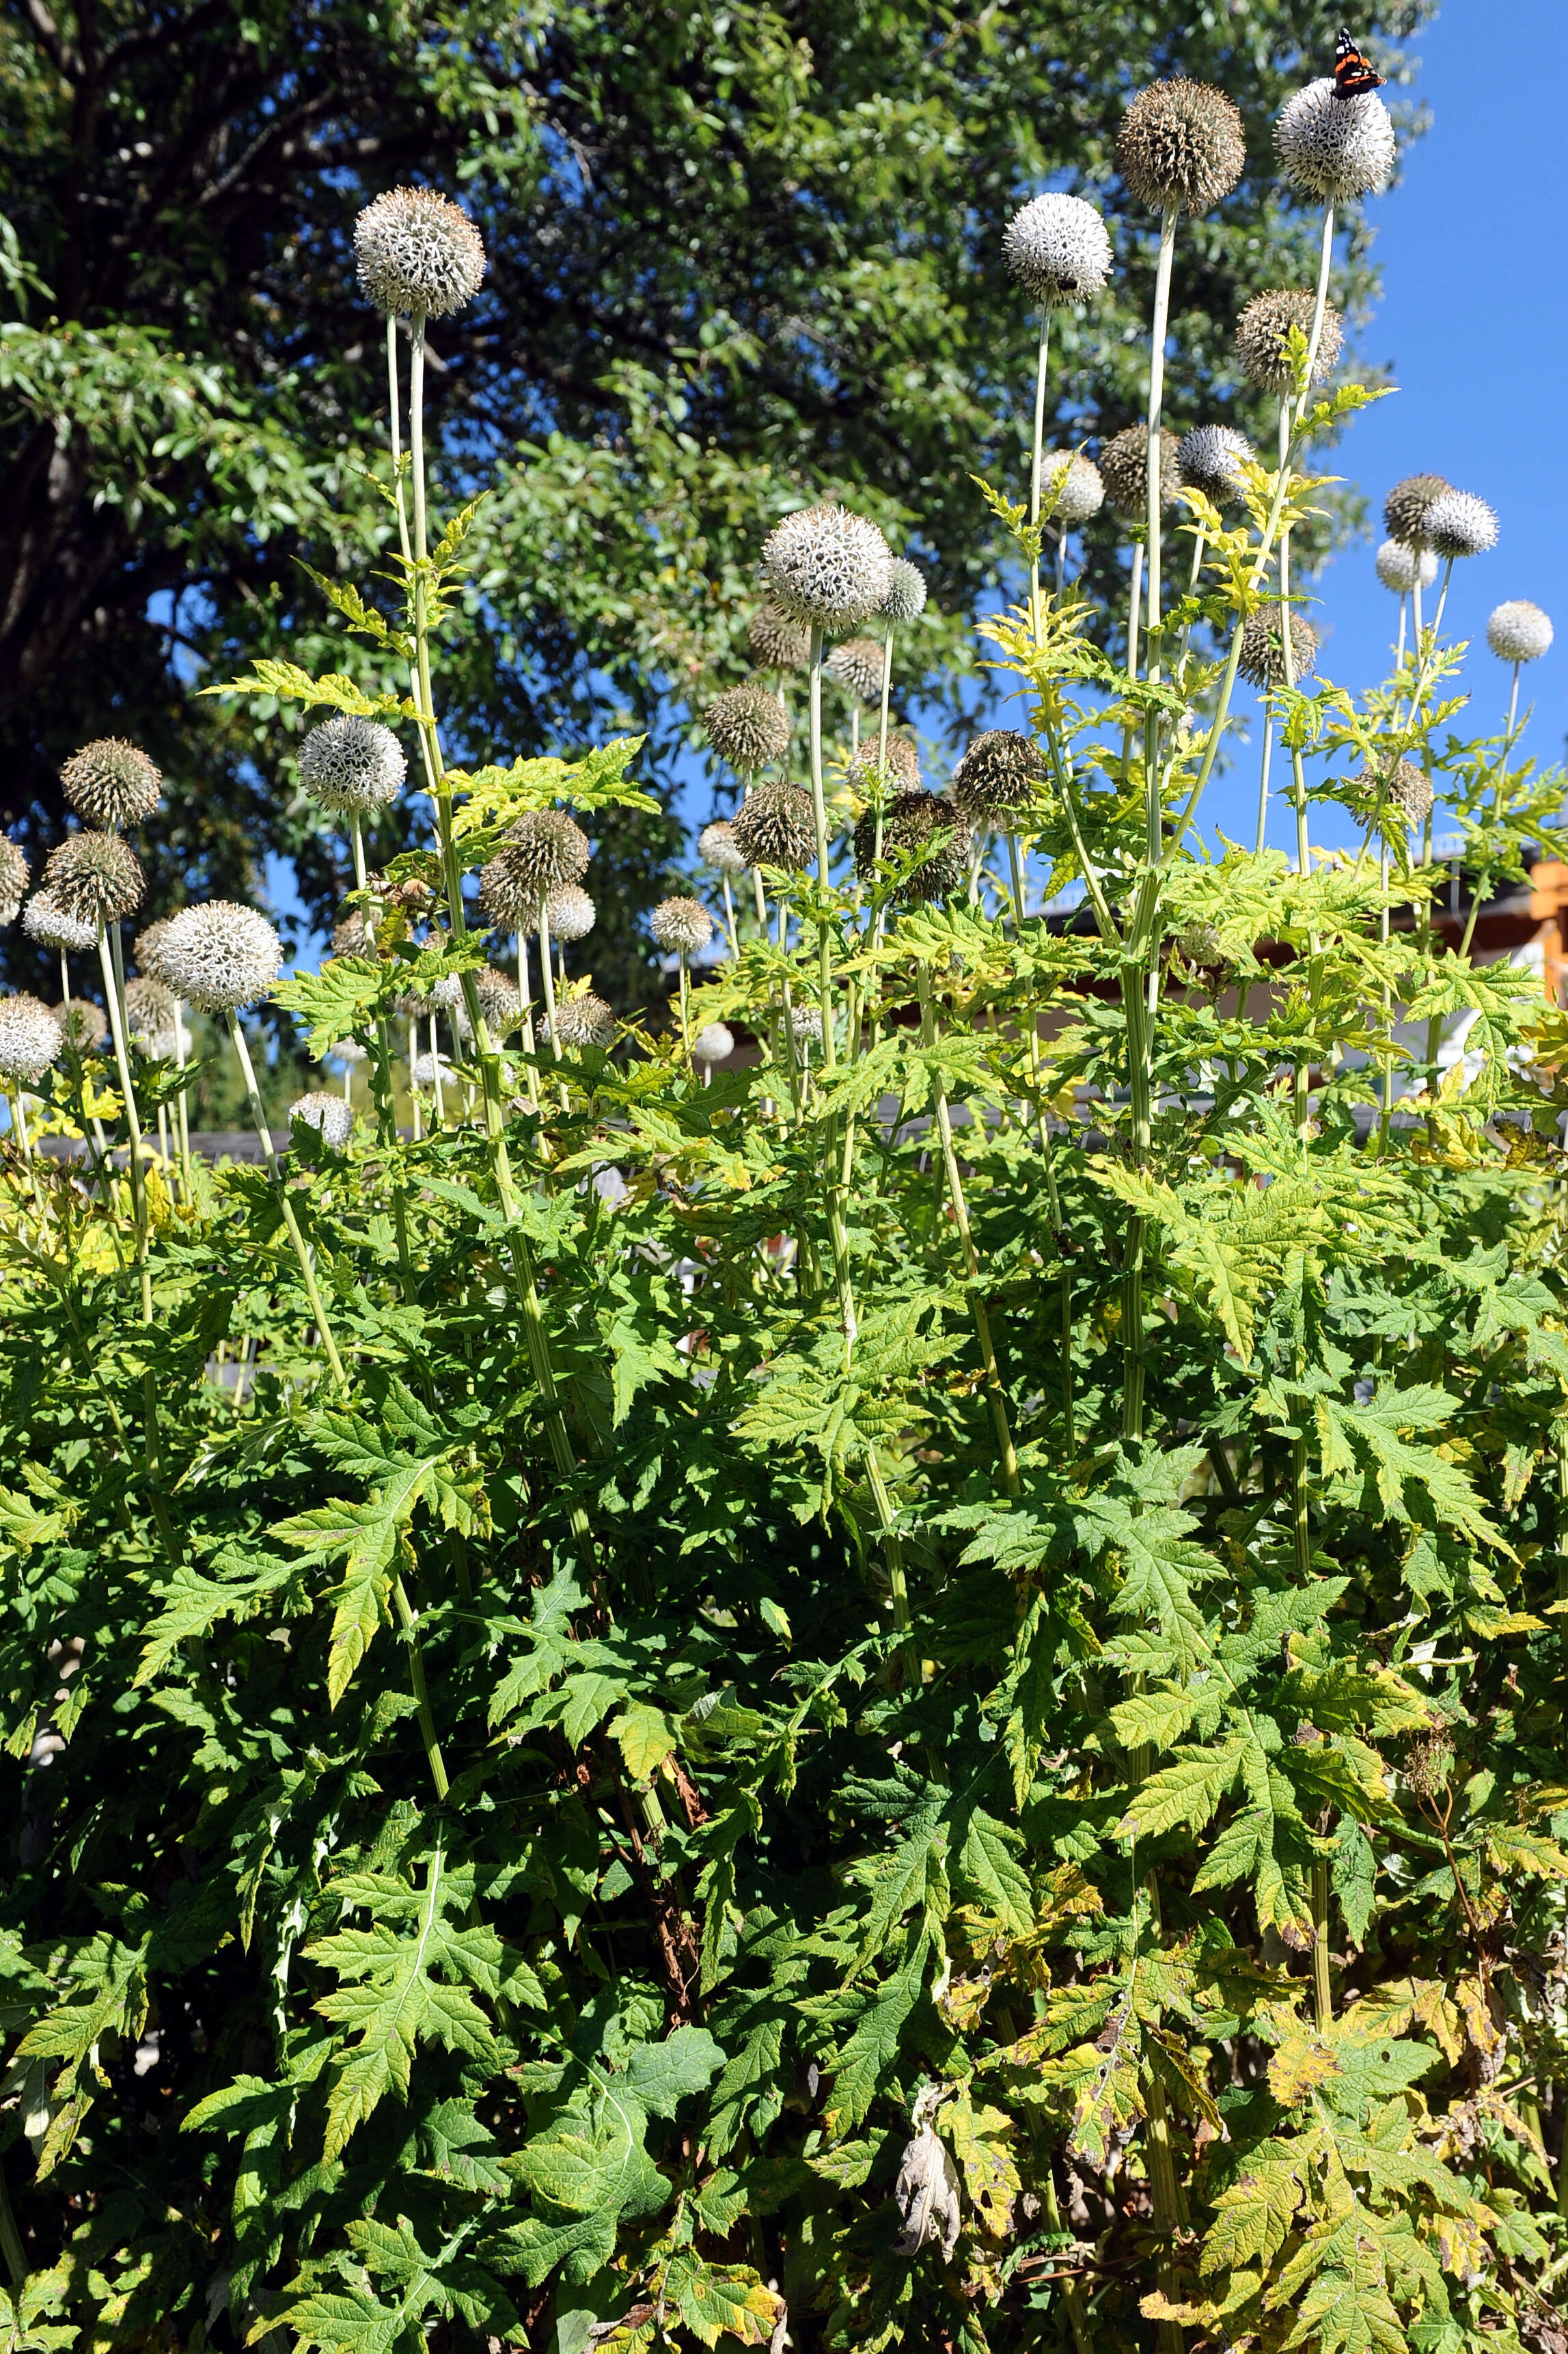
(1472, 242)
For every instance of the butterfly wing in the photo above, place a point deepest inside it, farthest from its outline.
(1352, 75)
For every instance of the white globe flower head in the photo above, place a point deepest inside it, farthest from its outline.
(425, 1071)
(715, 1042)
(1399, 568)
(681, 926)
(827, 567)
(1071, 487)
(905, 598)
(220, 956)
(30, 1039)
(1209, 459)
(717, 847)
(14, 876)
(1519, 631)
(44, 920)
(1336, 149)
(350, 763)
(570, 912)
(1058, 249)
(332, 1119)
(417, 252)
(1460, 524)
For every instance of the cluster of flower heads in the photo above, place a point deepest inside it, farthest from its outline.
(544, 851)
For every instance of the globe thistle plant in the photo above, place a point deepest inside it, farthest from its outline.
(329, 1115)
(352, 936)
(826, 567)
(1181, 147)
(682, 927)
(220, 956)
(46, 921)
(748, 727)
(776, 640)
(1000, 773)
(1211, 458)
(543, 849)
(1399, 785)
(1399, 567)
(500, 1002)
(1519, 631)
(898, 772)
(1335, 148)
(81, 1023)
(718, 848)
(95, 878)
(30, 1039)
(150, 1009)
(585, 1020)
(1263, 647)
(773, 826)
(914, 822)
(350, 763)
(857, 665)
(111, 783)
(1261, 330)
(15, 873)
(1459, 523)
(1058, 249)
(1407, 506)
(715, 1042)
(1073, 487)
(571, 914)
(417, 252)
(1123, 464)
(905, 598)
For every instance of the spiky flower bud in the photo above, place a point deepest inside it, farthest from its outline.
(1209, 459)
(1261, 333)
(498, 1002)
(30, 1039)
(1398, 566)
(149, 1010)
(584, 1020)
(1336, 149)
(349, 763)
(1071, 487)
(857, 664)
(15, 871)
(872, 781)
(1181, 143)
(352, 936)
(1405, 509)
(95, 877)
(1057, 248)
(1000, 771)
(917, 822)
(1459, 523)
(332, 1119)
(220, 956)
(1401, 786)
(146, 947)
(425, 1070)
(805, 1024)
(748, 726)
(826, 567)
(83, 1023)
(1124, 463)
(444, 994)
(681, 926)
(570, 913)
(1519, 631)
(715, 1042)
(46, 921)
(776, 640)
(717, 847)
(775, 826)
(543, 851)
(905, 598)
(1263, 647)
(111, 783)
(417, 251)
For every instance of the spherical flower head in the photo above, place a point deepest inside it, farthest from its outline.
(549, 848)
(570, 913)
(1057, 248)
(351, 936)
(1399, 568)
(147, 945)
(1335, 148)
(15, 872)
(95, 877)
(1181, 143)
(775, 826)
(349, 763)
(30, 1039)
(220, 956)
(1000, 771)
(82, 1024)
(425, 1070)
(715, 1042)
(857, 665)
(1263, 646)
(1405, 509)
(46, 921)
(681, 926)
(1124, 463)
(150, 1011)
(748, 726)
(717, 848)
(1071, 487)
(873, 780)
(1261, 333)
(1209, 459)
(805, 1025)
(445, 992)
(498, 999)
(826, 567)
(913, 821)
(1519, 631)
(905, 598)
(418, 252)
(349, 1049)
(332, 1119)
(776, 640)
(585, 1020)
(1395, 788)
(111, 783)
(1459, 523)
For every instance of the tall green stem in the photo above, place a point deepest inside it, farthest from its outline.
(301, 1251)
(1038, 458)
(115, 993)
(820, 819)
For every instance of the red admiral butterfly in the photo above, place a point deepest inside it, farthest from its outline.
(1352, 75)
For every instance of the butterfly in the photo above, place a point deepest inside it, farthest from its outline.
(1352, 75)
